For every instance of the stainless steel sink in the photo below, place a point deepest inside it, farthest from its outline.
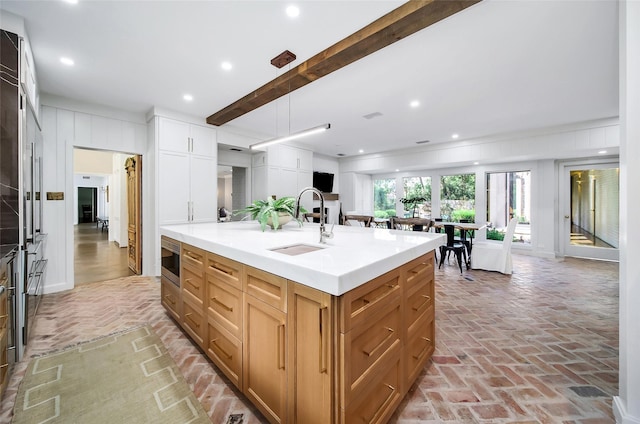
(296, 249)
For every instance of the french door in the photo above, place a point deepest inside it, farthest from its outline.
(590, 210)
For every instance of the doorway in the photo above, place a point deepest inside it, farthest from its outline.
(232, 191)
(590, 203)
(107, 226)
(87, 204)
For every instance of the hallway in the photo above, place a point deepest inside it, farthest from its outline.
(95, 257)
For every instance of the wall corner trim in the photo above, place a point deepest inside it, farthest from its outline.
(620, 413)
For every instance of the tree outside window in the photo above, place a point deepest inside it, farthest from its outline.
(458, 197)
(384, 198)
(417, 197)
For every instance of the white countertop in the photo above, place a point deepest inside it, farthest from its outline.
(352, 257)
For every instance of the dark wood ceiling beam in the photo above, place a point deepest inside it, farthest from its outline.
(407, 19)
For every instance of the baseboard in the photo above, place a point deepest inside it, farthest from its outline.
(620, 412)
(55, 288)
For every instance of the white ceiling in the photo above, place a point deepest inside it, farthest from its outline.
(497, 67)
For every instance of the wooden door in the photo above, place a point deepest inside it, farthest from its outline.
(133, 166)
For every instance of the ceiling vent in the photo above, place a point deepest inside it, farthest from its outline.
(341, 154)
(372, 115)
(234, 149)
(423, 141)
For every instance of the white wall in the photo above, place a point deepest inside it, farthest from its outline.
(63, 129)
(626, 406)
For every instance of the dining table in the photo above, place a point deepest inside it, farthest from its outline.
(469, 228)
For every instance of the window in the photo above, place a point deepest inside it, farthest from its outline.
(509, 196)
(417, 197)
(458, 197)
(384, 198)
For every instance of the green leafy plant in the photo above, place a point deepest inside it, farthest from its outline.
(459, 214)
(262, 210)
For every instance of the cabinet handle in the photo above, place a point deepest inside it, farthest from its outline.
(169, 299)
(426, 339)
(213, 342)
(223, 269)
(379, 345)
(188, 316)
(324, 336)
(376, 416)
(228, 308)
(192, 256)
(426, 302)
(192, 284)
(281, 347)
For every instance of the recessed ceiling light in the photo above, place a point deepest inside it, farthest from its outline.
(71, 1)
(227, 66)
(188, 97)
(293, 11)
(602, 152)
(414, 103)
(476, 163)
(360, 151)
(67, 61)
(397, 170)
(454, 136)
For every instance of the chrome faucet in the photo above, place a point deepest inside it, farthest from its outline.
(323, 234)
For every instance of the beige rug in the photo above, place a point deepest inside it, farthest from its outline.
(124, 378)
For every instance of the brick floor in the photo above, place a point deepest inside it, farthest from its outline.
(539, 346)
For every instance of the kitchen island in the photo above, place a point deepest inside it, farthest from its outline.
(309, 332)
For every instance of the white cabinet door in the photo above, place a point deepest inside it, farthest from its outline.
(203, 141)
(174, 135)
(204, 187)
(283, 156)
(305, 160)
(283, 182)
(259, 183)
(173, 187)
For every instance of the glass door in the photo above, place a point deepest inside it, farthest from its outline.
(590, 208)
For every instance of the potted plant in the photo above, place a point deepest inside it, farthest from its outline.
(273, 212)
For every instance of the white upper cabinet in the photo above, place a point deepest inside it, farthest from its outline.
(177, 136)
(290, 157)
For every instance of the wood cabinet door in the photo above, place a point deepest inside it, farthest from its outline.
(264, 358)
(311, 345)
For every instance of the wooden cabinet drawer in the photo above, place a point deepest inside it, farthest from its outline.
(171, 300)
(420, 345)
(269, 288)
(225, 270)
(364, 303)
(419, 269)
(193, 283)
(193, 257)
(225, 351)
(193, 321)
(419, 300)
(224, 305)
(377, 403)
(365, 347)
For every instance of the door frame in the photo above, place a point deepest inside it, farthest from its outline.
(564, 210)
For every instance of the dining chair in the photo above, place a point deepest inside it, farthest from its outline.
(459, 249)
(361, 220)
(463, 236)
(495, 256)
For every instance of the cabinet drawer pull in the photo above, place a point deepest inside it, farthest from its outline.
(228, 308)
(217, 266)
(188, 316)
(383, 407)
(213, 342)
(192, 284)
(426, 339)
(426, 302)
(169, 299)
(281, 347)
(379, 345)
(324, 339)
(193, 256)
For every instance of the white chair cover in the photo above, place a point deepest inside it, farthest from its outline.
(495, 256)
